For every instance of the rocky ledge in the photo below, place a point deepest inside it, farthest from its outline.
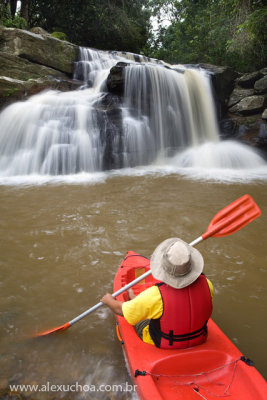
(246, 116)
(33, 61)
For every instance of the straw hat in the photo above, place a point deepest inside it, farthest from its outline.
(176, 263)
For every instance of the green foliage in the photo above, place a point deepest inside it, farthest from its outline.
(16, 22)
(8, 21)
(223, 32)
(105, 24)
(254, 48)
(59, 35)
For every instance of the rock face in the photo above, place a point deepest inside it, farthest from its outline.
(30, 63)
(248, 80)
(261, 85)
(246, 117)
(37, 48)
(250, 94)
(249, 105)
(115, 81)
(238, 94)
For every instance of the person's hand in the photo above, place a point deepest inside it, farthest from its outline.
(107, 299)
(131, 294)
(113, 304)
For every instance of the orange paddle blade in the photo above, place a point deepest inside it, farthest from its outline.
(59, 328)
(233, 217)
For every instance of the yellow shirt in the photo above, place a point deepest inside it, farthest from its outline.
(147, 305)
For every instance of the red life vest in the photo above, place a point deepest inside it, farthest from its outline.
(185, 315)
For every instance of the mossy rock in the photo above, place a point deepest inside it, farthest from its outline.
(59, 35)
(41, 49)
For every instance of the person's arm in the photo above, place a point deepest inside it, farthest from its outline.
(113, 304)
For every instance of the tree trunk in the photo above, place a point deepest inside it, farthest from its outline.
(13, 7)
(24, 9)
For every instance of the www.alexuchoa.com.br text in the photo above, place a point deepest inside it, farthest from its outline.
(75, 387)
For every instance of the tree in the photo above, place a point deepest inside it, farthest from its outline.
(13, 7)
(215, 31)
(9, 15)
(24, 9)
(105, 24)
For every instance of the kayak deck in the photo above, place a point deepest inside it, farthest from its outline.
(211, 370)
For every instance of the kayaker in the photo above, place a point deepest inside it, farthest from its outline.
(173, 313)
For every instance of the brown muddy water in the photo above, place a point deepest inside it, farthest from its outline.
(60, 248)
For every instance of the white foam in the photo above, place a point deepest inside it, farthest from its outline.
(37, 179)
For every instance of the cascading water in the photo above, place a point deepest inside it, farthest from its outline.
(166, 116)
(165, 112)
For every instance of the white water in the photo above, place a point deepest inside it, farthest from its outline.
(168, 125)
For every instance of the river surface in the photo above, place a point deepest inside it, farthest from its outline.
(61, 245)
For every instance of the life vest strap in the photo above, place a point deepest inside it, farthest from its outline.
(187, 336)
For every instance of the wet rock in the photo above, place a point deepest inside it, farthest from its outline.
(249, 105)
(264, 114)
(248, 80)
(227, 128)
(261, 85)
(115, 80)
(261, 139)
(16, 90)
(11, 90)
(247, 129)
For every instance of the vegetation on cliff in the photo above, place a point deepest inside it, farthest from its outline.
(221, 32)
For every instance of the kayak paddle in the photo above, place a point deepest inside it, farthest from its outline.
(227, 221)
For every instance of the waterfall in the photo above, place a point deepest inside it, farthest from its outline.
(164, 111)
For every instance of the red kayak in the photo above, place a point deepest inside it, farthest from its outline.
(208, 371)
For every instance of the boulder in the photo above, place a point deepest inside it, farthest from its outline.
(239, 94)
(39, 30)
(261, 139)
(264, 114)
(115, 80)
(19, 68)
(248, 80)
(20, 79)
(250, 130)
(11, 90)
(261, 85)
(249, 105)
(39, 48)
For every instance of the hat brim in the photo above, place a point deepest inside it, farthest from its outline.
(156, 262)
